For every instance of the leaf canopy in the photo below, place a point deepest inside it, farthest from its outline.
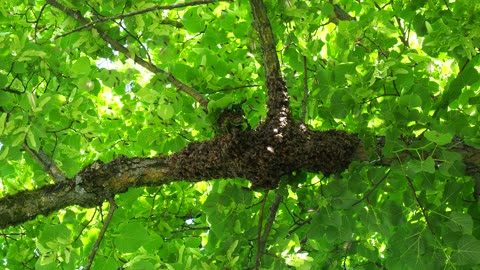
(405, 73)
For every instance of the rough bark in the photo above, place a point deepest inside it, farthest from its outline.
(89, 188)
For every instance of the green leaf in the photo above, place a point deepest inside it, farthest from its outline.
(192, 21)
(419, 58)
(32, 140)
(31, 100)
(26, 55)
(410, 101)
(3, 118)
(4, 152)
(467, 252)
(438, 138)
(54, 236)
(148, 95)
(165, 111)
(429, 27)
(467, 76)
(461, 222)
(220, 103)
(130, 237)
(231, 249)
(81, 67)
(342, 103)
(416, 166)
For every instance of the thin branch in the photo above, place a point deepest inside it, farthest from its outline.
(259, 230)
(85, 226)
(373, 189)
(403, 32)
(37, 21)
(117, 46)
(305, 91)
(91, 257)
(380, 49)
(417, 200)
(137, 39)
(262, 241)
(46, 162)
(227, 89)
(91, 24)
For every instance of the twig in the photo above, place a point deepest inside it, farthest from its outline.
(373, 189)
(305, 91)
(380, 49)
(134, 13)
(417, 200)
(46, 162)
(403, 32)
(85, 226)
(226, 89)
(37, 21)
(117, 46)
(137, 39)
(113, 207)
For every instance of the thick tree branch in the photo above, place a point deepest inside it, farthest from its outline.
(267, 41)
(119, 47)
(278, 104)
(89, 188)
(251, 155)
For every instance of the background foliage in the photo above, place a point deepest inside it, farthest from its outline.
(403, 70)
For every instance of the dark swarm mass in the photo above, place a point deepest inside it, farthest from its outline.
(276, 148)
(264, 155)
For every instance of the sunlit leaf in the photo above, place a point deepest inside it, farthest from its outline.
(165, 111)
(81, 66)
(130, 236)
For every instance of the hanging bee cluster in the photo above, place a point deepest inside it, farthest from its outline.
(232, 120)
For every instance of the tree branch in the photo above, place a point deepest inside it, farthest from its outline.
(278, 100)
(46, 162)
(138, 12)
(267, 41)
(419, 204)
(305, 91)
(251, 155)
(89, 188)
(339, 14)
(91, 256)
(258, 256)
(262, 241)
(117, 46)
